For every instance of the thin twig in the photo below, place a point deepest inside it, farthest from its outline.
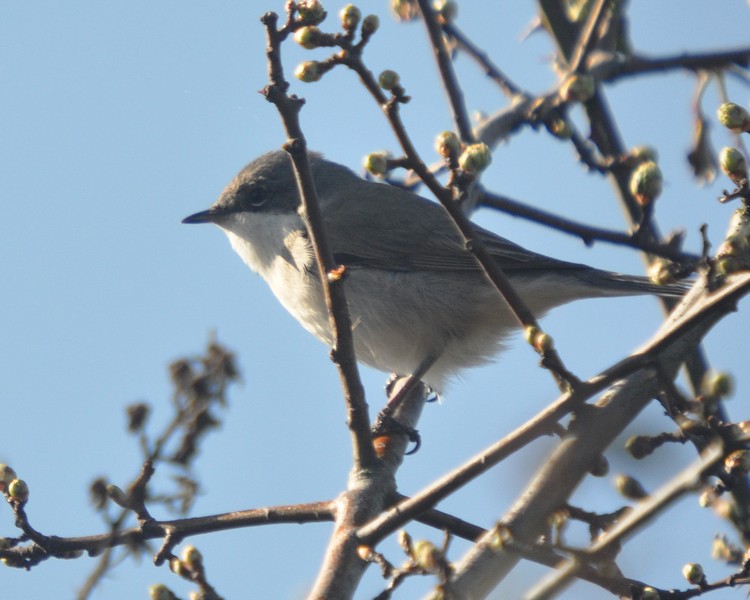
(333, 287)
(447, 74)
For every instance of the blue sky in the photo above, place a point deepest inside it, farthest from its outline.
(120, 119)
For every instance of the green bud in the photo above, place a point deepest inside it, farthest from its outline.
(717, 384)
(475, 158)
(733, 164)
(649, 593)
(308, 71)
(192, 557)
(577, 87)
(560, 128)
(160, 591)
(447, 143)
(646, 183)
(350, 16)
(693, 572)
(308, 37)
(117, 495)
(388, 80)
(426, 556)
(734, 117)
(660, 271)
(178, 567)
(376, 163)
(630, 487)
(7, 474)
(370, 24)
(311, 10)
(18, 490)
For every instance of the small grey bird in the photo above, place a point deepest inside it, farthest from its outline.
(417, 297)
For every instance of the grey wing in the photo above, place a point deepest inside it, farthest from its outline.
(395, 229)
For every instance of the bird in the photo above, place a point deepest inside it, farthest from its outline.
(419, 302)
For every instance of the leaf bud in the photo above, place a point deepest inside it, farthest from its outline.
(388, 80)
(475, 158)
(630, 487)
(308, 71)
(370, 24)
(427, 556)
(376, 163)
(18, 490)
(733, 164)
(693, 572)
(350, 16)
(646, 182)
(447, 143)
(308, 37)
(734, 117)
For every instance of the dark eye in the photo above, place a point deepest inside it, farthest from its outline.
(252, 197)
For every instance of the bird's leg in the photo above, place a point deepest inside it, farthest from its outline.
(385, 423)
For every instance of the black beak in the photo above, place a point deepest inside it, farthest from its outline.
(205, 216)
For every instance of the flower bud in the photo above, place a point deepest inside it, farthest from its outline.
(370, 24)
(630, 487)
(365, 553)
(717, 384)
(427, 556)
(577, 87)
(722, 550)
(117, 495)
(192, 558)
(733, 164)
(693, 572)
(308, 37)
(734, 117)
(646, 183)
(308, 71)
(404, 10)
(447, 143)
(376, 163)
(404, 540)
(178, 567)
(560, 128)
(7, 474)
(660, 271)
(311, 10)
(640, 446)
(350, 16)
(18, 490)
(447, 10)
(160, 591)
(388, 80)
(475, 158)
(649, 593)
